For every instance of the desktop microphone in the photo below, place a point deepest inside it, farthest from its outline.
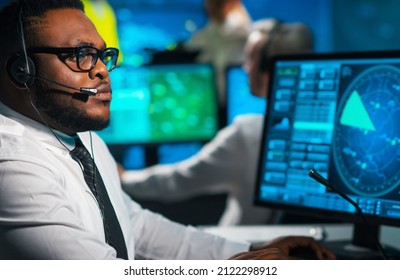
(82, 90)
(318, 177)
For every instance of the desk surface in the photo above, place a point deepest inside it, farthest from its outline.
(321, 232)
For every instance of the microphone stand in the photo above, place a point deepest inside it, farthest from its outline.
(316, 176)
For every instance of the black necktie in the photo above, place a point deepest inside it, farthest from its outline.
(112, 229)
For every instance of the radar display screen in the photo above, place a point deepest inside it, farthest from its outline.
(340, 116)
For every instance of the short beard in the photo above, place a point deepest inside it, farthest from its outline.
(61, 115)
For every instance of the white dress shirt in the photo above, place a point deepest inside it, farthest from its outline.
(48, 212)
(230, 159)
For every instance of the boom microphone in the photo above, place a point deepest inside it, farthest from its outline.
(318, 177)
(83, 90)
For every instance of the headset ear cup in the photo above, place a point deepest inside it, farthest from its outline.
(19, 71)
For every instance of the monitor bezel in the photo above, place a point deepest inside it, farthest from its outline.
(308, 211)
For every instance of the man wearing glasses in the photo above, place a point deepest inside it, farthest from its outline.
(60, 194)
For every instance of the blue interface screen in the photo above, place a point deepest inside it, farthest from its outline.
(339, 117)
(238, 97)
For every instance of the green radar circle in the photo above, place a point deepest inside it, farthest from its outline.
(366, 146)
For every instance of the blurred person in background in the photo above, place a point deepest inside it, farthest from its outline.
(230, 159)
(222, 40)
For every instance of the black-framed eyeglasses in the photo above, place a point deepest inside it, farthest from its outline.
(82, 58)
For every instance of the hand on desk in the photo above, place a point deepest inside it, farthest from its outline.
(282, 248)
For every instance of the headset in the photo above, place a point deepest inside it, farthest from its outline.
(22, 69)
(264, 57)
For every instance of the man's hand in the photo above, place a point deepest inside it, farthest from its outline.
(281, 248)
(263, 254)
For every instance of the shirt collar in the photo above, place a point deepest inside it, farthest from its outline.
(51, 138)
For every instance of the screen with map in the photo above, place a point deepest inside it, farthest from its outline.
(338, 114)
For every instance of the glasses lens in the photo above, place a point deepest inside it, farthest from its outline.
(87, 57)
(109, 57)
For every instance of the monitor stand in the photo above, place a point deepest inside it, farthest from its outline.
(363, 246)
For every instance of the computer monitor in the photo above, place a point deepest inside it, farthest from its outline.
(239, 99)
(338, 114)
(162, 104)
